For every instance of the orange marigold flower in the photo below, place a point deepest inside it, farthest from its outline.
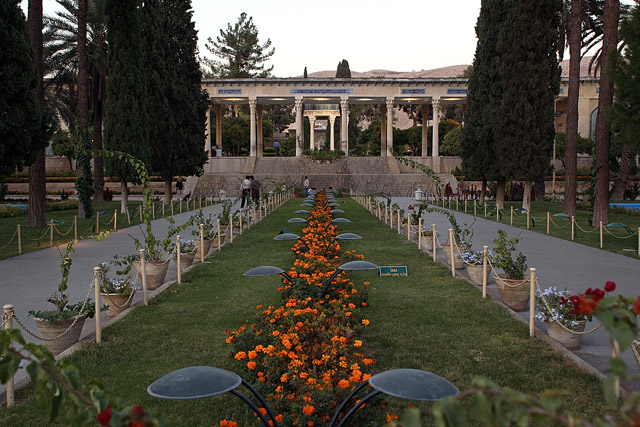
(303, 375)
(308, 410)
(310, 423)
(348, 313)
(366, 377)
(229, 339)
(251, 364)
(252, 354)
(279, 389)
(279, 418)
(311, 381)
(357, 343)
(240, 355)
(227, 423)
(368, 361)
(344, 384)
(275, 333)
(307, 398)
(391, 417)
(259, 306)
(365, 322)
(284, 378)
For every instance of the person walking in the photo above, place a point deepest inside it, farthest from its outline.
(255, 189)
(276, 148)
(306, 186)
(245, 185)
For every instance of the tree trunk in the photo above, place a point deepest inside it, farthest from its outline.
(501, 184)
(36, 215)
(83, 94)
(571, 149)
(539, 190)
(605, 99)
(98, 160)
(622, 180)
(526, 197)
(168, 190)
(124, 197)
(483, 191)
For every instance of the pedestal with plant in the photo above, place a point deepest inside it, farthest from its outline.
(474, 264)
(117, 292)
(513, 285)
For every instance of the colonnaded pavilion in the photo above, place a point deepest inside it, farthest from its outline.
(329, 99)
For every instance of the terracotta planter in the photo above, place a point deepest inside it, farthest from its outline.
(48, 330)
(475, 273)
(207, 247)
(116, 303)
(185, 260)
(156, 272)
(564, 337)
(514, 293)
(459, 263)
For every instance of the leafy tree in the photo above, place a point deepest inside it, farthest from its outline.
(239, 51)
(451, 142)
(624, 113)
(477, 142)
(528, 66)
(369, 140)
(21, 121)
(280, 115)
(235, 135)
(585, 146)
(467, 72)
(343, 71)
(63, 146)
(125, 127)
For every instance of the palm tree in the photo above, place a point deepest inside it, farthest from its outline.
(61, 47)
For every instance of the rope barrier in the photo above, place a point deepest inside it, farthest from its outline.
(586, 231)
(568, 224)
(80, 314)
(15, 233)
(61, 233)
(619, 237)
(44, 232)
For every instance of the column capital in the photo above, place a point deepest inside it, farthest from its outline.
(253, 102)
(312, 118)
(332, 119)
(435, 102)
(389, 103)
(344, 103)
(298, 102)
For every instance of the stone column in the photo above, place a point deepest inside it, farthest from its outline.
(383, 130)
(299, 126)
(312, 132)
(332, 120)
(344, 124)
(389, 127)
(218, 126)
(425, 116)
(435, 149)
(260, 142)
(207, 144)
(252, 126)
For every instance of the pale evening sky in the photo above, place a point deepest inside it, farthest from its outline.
(372, 34)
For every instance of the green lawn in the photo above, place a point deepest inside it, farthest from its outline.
(35, 238)
(427, 321)
(614, 239)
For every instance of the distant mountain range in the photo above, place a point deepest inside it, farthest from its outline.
(452, 71)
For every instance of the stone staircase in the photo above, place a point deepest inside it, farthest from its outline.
(365, 174)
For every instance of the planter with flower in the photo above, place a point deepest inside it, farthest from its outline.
(474, 264)
(209, 232)
(187, 252)
(117, 292)
(62, 326)
(513, 285)
(224, 217)
(461, 235)
(560, 311)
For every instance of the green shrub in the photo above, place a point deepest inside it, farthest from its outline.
(8, 210)
(61, 205)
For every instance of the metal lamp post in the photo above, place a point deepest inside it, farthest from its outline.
(291, 236)
(348, 266)
(267, 270)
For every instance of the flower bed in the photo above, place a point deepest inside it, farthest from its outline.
(305, 355)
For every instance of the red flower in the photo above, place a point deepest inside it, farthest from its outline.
(636, 306)
(104, 417)
(610, 286)
(138, 410)
(587, 305)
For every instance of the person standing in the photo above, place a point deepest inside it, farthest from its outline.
(276, 148)
(245, 186)
(255, 189)
(306, 186)
(179, 187)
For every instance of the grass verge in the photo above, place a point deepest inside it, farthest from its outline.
(427, 320)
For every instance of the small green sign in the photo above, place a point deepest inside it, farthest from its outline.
(393, 271)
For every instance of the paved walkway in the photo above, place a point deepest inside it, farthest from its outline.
(28, 279)
(559, 263)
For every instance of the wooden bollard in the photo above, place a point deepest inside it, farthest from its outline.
(485, 255)
(128, 217)
(485, 210)
(465, 205)
(601, 236)
(8, 311)
(75, 227)
(171, 207)
(475, 207)
(51, 233)
(433, 241)
(408, 226)
(532, 302)
(96, 301)
(230, 228)
(420, 233)
(399, 221)
(115, 219)
(528, 218)
(143, 268)
(180, 206)
(97, 222)
(548, 222)
(573, 227)
(140, 212)
(511, 223)
(19, 239)
(218, 225)
(202, 243)
(178, 259)
(163, 208)
(452, 253)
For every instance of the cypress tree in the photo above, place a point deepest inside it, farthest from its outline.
(125, 126)
(343, 71)
(529, 69)
(485, 92)
(21, 124)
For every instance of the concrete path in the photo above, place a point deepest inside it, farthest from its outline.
(559, 263)
(27, 280)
